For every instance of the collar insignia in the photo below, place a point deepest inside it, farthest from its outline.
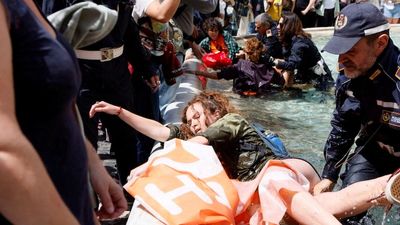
(375, 74)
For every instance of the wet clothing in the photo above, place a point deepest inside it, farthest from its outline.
(241, 151)
(303, 57)
(271, 42)
(229, 41)
(367, 106)
(45, 92)
(250, 76)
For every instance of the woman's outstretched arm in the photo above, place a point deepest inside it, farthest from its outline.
(148, 127)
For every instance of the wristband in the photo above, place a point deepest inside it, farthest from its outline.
(119, 111)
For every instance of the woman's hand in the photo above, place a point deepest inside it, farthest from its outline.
(104, 107)
(113, 202)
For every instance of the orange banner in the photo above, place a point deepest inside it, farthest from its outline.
(185, 184)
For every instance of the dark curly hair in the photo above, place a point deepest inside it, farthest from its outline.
(212, 23)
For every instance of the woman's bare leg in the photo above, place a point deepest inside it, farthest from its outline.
(288, 76)
(301, 205)
(355, 198)
(347, 202)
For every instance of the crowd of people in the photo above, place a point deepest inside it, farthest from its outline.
(312, 13)
(122, 66)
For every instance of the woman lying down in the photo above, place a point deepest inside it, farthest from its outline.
(209, 119)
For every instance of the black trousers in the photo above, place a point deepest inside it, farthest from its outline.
(109, 81)
(308, 20)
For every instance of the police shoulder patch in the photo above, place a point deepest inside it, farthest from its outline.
(391, 118)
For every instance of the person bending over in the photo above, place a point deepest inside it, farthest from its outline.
(251, 75)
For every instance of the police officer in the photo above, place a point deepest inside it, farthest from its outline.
(367, 99)
(267, 33)
(302, 63)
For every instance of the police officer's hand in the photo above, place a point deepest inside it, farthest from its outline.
(323, 186)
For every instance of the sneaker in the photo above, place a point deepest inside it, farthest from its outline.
(392, 190)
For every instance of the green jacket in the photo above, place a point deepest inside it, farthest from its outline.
(241, 151)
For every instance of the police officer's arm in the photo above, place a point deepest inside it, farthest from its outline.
(27, 195)
(295, 58)
(345, 127)
(136, 54)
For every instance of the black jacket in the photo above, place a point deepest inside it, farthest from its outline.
(300, 57)
(367, 106)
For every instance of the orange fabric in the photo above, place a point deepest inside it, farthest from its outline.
(185, 184)
(218, 45)
(183, 187)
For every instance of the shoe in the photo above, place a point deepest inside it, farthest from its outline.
(392, 190)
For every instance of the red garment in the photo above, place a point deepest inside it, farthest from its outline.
(219, 45)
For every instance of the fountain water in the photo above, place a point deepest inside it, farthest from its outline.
(302, 119)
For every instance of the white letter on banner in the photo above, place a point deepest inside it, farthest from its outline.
(221, 197)
(165, 199)
(206, 166)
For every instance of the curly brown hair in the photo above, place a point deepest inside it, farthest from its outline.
(211, 24)
(254, 48)
(211, 101)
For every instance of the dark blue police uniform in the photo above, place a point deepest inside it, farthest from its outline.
(302, 56)
(271, 42)
(367, 106)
